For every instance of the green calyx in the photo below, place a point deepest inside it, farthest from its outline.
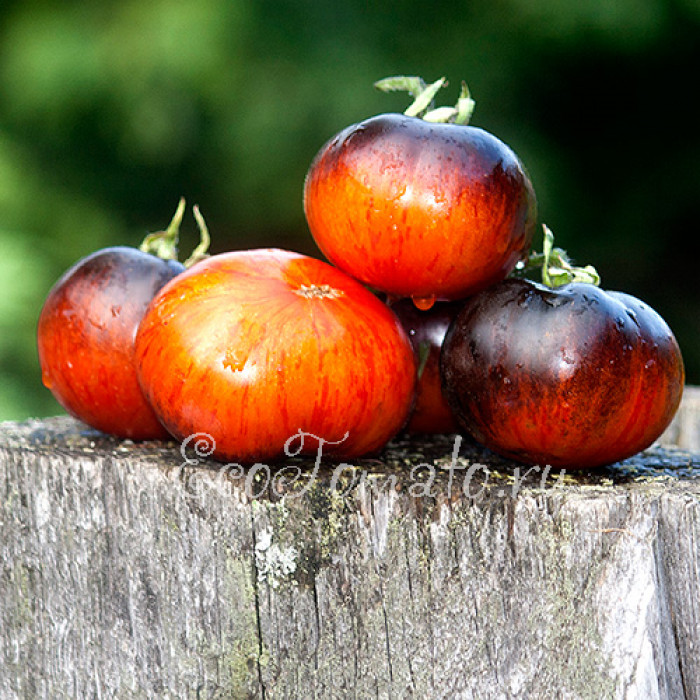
(163, 244)
(200, 252)
(423, 99)
(557, 268)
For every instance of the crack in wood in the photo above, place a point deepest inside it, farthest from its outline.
(258, 622)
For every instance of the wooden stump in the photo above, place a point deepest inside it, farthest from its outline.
(436, 571)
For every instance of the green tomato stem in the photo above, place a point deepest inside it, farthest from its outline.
(413, 85)
(441, 115)
(163, 244)
(424, 96)
(557, 268)
(465, 106)
(424, 99)
(200, 252)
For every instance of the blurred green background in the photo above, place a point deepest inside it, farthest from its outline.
(110, 111)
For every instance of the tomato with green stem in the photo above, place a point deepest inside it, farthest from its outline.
(421, 204)
(87, 327)
(561, 373)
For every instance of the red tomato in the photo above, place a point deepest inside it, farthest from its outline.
(419, 209)
(569, 377)
(252, 347)
(86, 337)
(427, 329)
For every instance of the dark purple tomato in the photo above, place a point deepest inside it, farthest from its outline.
(427, 329)
(570, 377)
(86, 335)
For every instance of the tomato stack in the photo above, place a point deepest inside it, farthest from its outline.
(422, 320)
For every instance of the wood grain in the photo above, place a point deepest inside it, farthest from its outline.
(130, 572)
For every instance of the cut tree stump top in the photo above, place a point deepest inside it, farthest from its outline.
(437, 570)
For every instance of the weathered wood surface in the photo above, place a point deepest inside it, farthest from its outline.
(684, 431)
(132, 572)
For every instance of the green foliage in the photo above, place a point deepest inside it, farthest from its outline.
(111, 111)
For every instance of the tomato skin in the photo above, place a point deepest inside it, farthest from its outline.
(85, 339)
(573, 377)
(418, 209)
(427, 329)
(253, 346)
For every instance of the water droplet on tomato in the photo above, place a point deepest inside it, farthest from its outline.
(424, 303)
(47, 381)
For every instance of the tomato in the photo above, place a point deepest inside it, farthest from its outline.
(427, 329)
(420, 209)
(88, 324)
(570, 377)
(252, 347)
(86, 337)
